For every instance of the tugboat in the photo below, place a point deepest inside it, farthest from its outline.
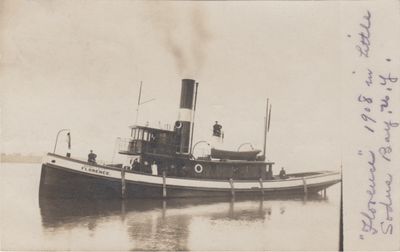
(160, 164)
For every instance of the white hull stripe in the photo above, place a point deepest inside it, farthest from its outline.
(185, 115)
(192, 183)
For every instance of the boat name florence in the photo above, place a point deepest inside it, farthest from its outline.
(95, 170)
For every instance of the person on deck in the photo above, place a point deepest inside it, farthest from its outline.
(69, 144)
(282, 174)
(217, 129)
(92, 157)
(154, 169)
(135, 165)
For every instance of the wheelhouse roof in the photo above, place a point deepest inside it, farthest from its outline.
(150, 129)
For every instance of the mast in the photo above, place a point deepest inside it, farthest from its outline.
(266, 126)
(138, 103)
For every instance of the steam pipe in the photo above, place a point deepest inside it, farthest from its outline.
(194, 113)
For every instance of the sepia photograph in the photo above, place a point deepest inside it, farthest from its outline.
(199, 125)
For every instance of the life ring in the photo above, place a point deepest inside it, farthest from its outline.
(178, 125)
(198, 168)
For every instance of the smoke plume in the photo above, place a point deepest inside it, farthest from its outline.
(184, 34)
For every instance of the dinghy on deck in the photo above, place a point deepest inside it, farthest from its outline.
(234, 155)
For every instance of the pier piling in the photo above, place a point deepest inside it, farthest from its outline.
(305, 187)
(232, 187)
(164, 185)
(123, 185)
(261, 186)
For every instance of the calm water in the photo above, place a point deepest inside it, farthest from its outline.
(30, 223)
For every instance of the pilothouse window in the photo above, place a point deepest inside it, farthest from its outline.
(137, 134)
(140, 136)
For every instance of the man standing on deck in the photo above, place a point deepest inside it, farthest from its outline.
(69, 144)
(218, 135)
(154, 169)
(217, 129)
(92, 157)
(282, 174)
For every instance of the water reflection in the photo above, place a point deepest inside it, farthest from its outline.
(156, 224)
(188, 224)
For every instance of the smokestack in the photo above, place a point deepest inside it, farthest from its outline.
(183, 126)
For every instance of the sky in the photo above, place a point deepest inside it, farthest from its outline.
(79, 64)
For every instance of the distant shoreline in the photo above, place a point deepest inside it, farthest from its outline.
(20, 158)
(20, 162)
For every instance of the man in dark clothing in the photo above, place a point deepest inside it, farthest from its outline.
(135, 165)
(282, 174)
(217, 129)
(92, 157)
(69, 144)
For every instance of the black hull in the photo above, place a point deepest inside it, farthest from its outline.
(62, 183)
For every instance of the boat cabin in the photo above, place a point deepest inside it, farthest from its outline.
(151, 145)
(146, 140)
(163, 152)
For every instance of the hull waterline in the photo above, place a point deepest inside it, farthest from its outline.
(67, 178)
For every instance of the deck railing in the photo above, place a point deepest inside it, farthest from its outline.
(124, 144)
